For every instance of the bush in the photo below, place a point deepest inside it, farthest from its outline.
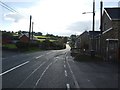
(21, 45)
(48, 45)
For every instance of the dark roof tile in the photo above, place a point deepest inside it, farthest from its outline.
(114, 13)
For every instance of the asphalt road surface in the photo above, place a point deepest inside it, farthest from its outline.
(55, 69)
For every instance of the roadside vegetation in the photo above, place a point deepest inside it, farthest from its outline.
(86, 58)
(11, 41)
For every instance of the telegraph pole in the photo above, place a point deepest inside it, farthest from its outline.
(101, 10)
(32, 30)
(93, 15)
(30, 27)
(93, 29)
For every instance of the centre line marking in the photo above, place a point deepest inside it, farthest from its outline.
(14, 68)
(39, 56)
(64, 66)
(48, 53)
(65, 73)
(68, 86)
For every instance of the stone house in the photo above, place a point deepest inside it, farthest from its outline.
(109, 37)
(86, 42)
(82, 42)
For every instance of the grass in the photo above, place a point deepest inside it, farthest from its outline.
(32, 50)
(86, 58)
(10, 46)
(41, 40)
(41, 37)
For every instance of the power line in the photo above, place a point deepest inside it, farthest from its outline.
(8, 7)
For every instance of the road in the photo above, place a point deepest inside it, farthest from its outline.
(55, 69)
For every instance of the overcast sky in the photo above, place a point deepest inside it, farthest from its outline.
(58, 17)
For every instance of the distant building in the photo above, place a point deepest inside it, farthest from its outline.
(25, 38)
(6, 37)
(85, 41)
(82, 41)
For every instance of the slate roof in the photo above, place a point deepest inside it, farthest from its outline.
(94, 33)
(114, 13)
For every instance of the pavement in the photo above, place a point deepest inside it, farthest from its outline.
(55, 69)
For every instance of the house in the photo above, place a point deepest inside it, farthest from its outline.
(25, 38)
(82, 41)
(87, 41)
(94, 40)
(6, 37)
(109, 37)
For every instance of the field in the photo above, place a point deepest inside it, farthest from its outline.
(43, 38)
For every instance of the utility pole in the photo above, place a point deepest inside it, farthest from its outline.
(93, 29)
(32, 30)
(101, 27)
(93, 15)
(30, 27)
(101, 10)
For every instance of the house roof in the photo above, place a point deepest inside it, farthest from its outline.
(81, 34)
(114, 13)
(27, 35)
(94, 33)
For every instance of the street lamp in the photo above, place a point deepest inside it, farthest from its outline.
(93, 28)
(86, 12)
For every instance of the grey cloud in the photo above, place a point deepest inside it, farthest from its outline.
(13, 16)
(81, 26)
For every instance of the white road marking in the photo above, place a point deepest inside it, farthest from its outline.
(65, 73)
(75, 80)
(73, 61)
(31, 74)
(14, 56)
(14, 68)
(39, 56)
(27, 54)
(64, 66)
(68, 86)
(44, 73)
(64, 61)
(88, 80)
(48, 53)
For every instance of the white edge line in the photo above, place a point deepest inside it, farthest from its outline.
(14, 68)
(76, 83)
